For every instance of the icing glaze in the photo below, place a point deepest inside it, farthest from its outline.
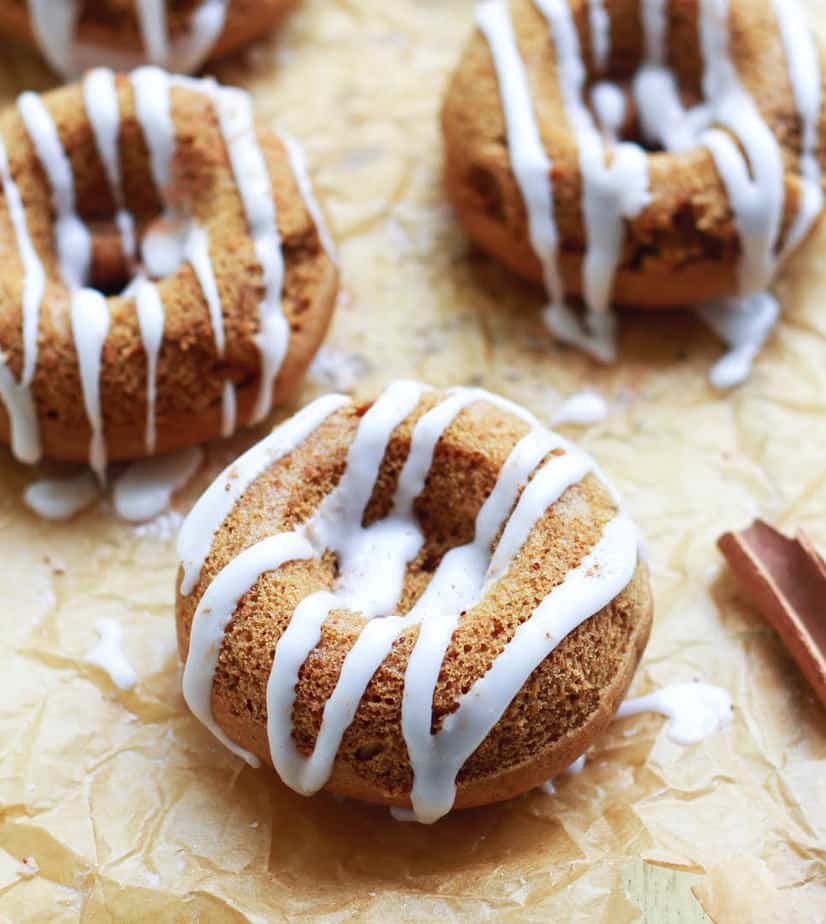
(89, 312)
(151, 323)
(599, 24)
(694, 710)
(583, 407)
(253, 181)
(108, 654)
(727, 122)
(372, 562)
(744, 324)
(153, 25)
(305, 186)
(146, 487)
(804, 71)
(103, 110)
(198, 531)
(529, 160)
(62, 498)
(55, 26)
(90, 325)
(170, 240)
(16, 397)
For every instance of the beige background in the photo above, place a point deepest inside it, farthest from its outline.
(133, 812)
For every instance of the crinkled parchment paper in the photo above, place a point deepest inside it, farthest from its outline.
(127, 810)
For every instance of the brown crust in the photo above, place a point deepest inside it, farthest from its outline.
(190, 371)
(681, 249)
(113, 25)
(568, 699)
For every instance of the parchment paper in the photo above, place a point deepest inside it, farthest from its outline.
(127, 810)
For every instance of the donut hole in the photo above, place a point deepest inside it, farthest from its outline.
(616, 110)
(160, 247)
(110, 271)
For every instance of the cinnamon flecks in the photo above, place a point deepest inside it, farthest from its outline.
(786, 580)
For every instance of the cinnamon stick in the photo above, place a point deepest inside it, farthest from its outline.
(785, 578)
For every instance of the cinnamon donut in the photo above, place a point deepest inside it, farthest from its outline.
(180, 35)
(652, 153)
(429, 601)
(167, 275)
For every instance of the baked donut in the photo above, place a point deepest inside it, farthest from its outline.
(179, 35)
(427, 601)
(652, 153)
(167, 275)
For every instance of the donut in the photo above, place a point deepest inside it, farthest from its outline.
(429, 601)
(647, 153)
(167, 275)
(181, 35)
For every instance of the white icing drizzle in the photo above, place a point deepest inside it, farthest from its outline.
(197, 253)
(298, 164)
(371, 567)
(743, 324)
(252, 178)
(151, 324)
(754, 183)
(753, 178)
(215, 609)
(194, 47)
(611, 193)
(17, 397)
(804, 71)
(108, 654)
(34, 277)
(89, 311)
(583, 407)
(217, 502)
(153, 106)
(90, 326)
(599, 23)
(153, 25)
(103, 111)
(146, 487)
(695, 710)
(55, 25)
(19, 405)
(62, 498)
(74, 246)
(530, 162)
(229, 410)
(609, 105)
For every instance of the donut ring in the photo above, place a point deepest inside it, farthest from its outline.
(123, 34)
(538, 172)
(169, 183)
(527, 605)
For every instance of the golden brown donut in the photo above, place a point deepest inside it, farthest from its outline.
(433, 595)
(545, 116)
(169, 183)
(180, 35)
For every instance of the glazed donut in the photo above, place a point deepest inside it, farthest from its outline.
(179, 35)
(545, 120)
(167, 275)
(427, 601)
